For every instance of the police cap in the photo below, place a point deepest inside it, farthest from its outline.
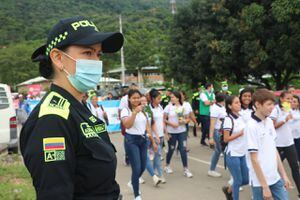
(78, 31)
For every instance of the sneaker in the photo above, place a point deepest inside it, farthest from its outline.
(230, 182)
(156, 180)
(168, 170)
(187, 173)
(221, 155)
(138, 198)
(227, 194)
(163, 180)
(141, 180)
(241, 189)
(130, 186)
(204, 144)
(161, 158)
(214, 174)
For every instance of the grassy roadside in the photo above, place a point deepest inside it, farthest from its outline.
(15, 181)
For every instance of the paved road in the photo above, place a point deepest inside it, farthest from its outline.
(178, 187)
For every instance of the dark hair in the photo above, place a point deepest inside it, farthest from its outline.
(178, 96)
(220, 97)
(154, 93)
(262, 95)
(246, 90)
(208, 85)
(228, 102)
(45, 65)
(282, 95)
(298, 99)
(184, 94)
(130, 93)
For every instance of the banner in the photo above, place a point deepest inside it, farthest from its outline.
(32, 103)
(34, 89)
(111, 108)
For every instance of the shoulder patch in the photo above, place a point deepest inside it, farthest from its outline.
(55, 104)
(54, 149)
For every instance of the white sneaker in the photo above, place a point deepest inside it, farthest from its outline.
(156, 180)
(163, 180)
(241, 188)
(187, 173)
(130, 186)
(141, 180)
(138, 198)
(168, 170)
(214, 174)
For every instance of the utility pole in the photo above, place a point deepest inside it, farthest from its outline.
(122, 55)
(173, 6)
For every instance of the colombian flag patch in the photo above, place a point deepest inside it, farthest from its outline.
(54, 143)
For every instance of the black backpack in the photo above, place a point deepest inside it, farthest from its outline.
(222, 142)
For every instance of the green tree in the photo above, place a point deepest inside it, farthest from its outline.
(15, 63)
(241, 40)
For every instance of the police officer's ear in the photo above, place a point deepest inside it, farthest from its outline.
(56, 58)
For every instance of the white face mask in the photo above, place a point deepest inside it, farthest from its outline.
(225, 88)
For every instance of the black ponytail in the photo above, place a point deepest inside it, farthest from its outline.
(45, 68)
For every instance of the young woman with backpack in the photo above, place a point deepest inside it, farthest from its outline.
(235, 151)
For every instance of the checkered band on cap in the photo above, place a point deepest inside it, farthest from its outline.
(56, 41)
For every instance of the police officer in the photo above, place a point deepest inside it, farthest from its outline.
(224, 90)
(65, 148)
(165, 99)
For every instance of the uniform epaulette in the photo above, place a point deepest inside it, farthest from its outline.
(55, 104)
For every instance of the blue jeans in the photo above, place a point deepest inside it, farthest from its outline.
(239, 171)
(216, 154)
(137, 154)
(278, 192)
(156, 161)
(181, 138)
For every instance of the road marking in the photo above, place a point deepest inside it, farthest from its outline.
(204, 162)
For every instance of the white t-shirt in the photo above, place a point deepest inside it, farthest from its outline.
(187, 106)
(97, 112)
(219, 112)
(295, 124)
(284, 133)
(236, 147)
(123, 102)
(246, 114)
(158, 117)
(261, 136)
(140, 122)
(204, 98)
(170, 110)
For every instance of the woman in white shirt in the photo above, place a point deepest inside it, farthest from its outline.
(296, 123)
(97, 110)
(175, 118)
(136, 123)
(282, 118)
(157, 113)
(217, 115)
(246, 104)
(235, 152)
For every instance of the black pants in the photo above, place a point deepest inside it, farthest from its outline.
(205, 123)
(297, 145)
(290, 154)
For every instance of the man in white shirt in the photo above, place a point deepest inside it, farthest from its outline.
(267, 175)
